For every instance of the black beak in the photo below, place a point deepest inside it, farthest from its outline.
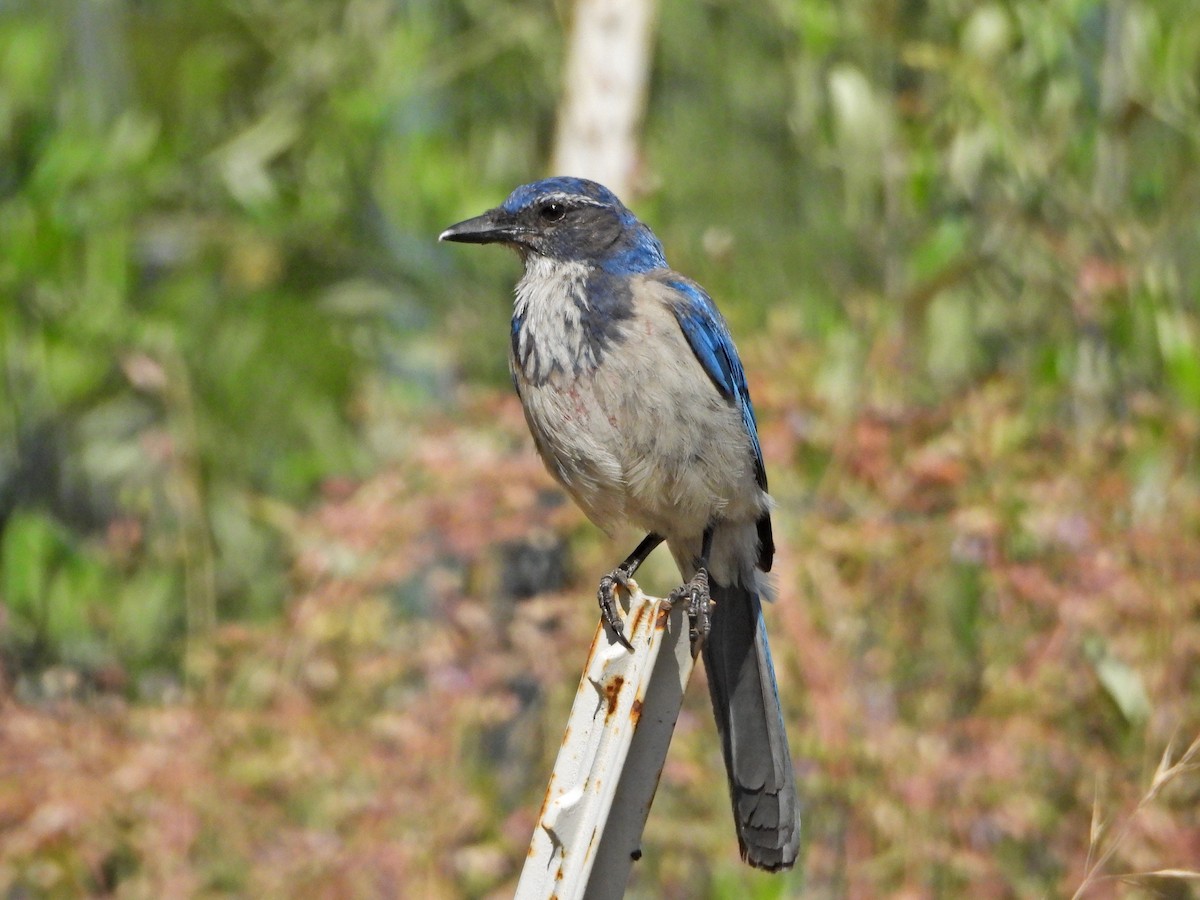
(490, 228)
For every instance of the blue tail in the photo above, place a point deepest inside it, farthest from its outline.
(741, 681)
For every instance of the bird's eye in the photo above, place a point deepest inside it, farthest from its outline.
(552, 212)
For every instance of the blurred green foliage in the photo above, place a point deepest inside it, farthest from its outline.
(219, 271)
(218, 226)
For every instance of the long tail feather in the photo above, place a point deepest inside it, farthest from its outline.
(741, 680)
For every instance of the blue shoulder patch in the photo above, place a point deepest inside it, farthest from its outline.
(709, 338)
(638, 250)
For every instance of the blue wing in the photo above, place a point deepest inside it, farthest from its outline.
(709, 337)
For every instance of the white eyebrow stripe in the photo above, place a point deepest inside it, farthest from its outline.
(575, 199)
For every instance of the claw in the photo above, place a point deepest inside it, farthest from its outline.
(606, 595)
(699, 607)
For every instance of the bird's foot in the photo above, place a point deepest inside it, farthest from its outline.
(699, 607)
(607, 595)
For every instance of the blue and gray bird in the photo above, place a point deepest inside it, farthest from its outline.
(638, 404)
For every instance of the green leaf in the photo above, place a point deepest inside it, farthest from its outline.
(1124, 685)
(29, 543)
(941, 247)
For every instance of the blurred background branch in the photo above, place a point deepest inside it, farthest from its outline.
(607, 78)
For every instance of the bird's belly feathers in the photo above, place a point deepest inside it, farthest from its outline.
(645, 436)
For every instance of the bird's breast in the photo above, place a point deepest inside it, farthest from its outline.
(638, 432)
(574, 437)
(567, 317)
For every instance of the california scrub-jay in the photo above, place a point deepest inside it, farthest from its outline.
(638, 403)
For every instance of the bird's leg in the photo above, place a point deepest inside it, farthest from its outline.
(695, 593)
(621, 576)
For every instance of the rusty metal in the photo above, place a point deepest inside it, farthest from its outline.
(589, 829)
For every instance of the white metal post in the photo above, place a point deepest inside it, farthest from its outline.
(589, 831)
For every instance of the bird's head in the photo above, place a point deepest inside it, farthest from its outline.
(567, 220)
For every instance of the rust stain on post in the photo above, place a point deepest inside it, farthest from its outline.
(596, 639)
(545, 800)
(636, 621)
(612, 692)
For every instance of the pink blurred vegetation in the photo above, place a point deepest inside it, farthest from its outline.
(987, 637)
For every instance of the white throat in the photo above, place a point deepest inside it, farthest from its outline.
(548, 331)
